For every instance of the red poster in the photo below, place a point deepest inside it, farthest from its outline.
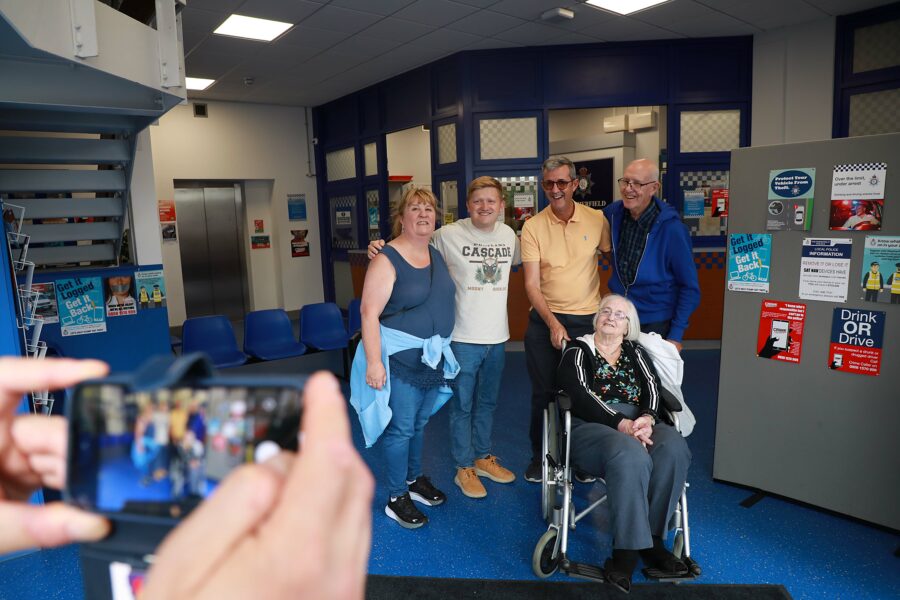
(166, 211)
(719, 202)
(258, 226)
(780, 334)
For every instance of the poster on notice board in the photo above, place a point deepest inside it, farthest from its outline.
(151, 289)
(80, 302)
(790, 199)
(825, 269)
(857, 197)
(856, 339)
(880, 278)
(780, 335)
(46, 309)
(749, 262)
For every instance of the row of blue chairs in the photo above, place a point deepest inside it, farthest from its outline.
(268, 334)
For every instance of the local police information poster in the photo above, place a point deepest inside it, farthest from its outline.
(856, 340)
(880, 278)
(80, 302)
(780, 334)
(825, 269)
(749, 259)
(790, 203)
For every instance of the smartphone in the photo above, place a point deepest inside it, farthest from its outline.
(780, 333)
(159, 452)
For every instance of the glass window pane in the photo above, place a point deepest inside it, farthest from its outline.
(508, 138)
(340, 164)
(343, 226)
(521, 194)
(373, 212)
(450, 200)
(370, 157)
(710, 131)
(876, 47)
(710, 188)
(446, 143)
(875, 112)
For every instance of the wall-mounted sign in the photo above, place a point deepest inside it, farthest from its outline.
(166, 211)
(296, 207)
(880, 279)
(780, 335)
(299, 243)
(259, 242)
(749, 261)
(80, 303)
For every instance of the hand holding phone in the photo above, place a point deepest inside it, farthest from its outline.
(32, 455)
(296, 526)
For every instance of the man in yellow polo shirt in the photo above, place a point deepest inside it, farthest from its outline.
(559, 255)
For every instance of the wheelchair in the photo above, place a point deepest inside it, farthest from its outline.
(558, 510)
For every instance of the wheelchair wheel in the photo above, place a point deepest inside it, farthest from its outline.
(543, 562)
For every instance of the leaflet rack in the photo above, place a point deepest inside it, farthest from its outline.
(28, 321)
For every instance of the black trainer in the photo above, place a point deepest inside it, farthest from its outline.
(422, 491)
(584, 477)
(405, 512)
(535, 472)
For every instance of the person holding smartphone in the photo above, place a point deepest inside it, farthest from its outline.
(240, 543)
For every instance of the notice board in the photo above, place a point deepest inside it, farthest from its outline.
(813, 430)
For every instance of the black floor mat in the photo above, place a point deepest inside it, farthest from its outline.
(382, 587)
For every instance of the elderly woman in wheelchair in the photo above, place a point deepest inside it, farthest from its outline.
(618, 433)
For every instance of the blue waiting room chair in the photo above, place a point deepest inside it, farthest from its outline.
(354, 325)
(268, 335)
(322, 328)
(214, 336)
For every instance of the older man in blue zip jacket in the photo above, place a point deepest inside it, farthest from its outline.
(653, 262)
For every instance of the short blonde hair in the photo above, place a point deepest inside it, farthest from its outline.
(480, 183)
(634, 322)
(413, 195)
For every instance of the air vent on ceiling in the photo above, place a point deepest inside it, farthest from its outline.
(200, 110)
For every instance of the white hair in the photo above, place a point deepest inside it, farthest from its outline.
(634, 322)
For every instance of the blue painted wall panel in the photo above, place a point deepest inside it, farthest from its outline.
(340, 120)
(406, 100)
(712, 70)
(370, 111)
(505, 81)
(128, 340)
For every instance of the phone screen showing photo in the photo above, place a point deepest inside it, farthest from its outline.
(780, 333)
(161, 452)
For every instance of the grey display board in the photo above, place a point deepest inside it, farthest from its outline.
(805, 431)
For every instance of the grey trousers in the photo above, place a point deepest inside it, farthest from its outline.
(643, 487)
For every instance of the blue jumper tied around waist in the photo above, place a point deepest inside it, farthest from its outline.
(373, 406)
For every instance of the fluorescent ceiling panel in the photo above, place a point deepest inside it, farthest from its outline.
(251, 28)
(624, 7)
(197, 83)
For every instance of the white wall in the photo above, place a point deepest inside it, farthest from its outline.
(145, 236)
(793, 84)
(584, 122)
(409, 153)
(265, 147)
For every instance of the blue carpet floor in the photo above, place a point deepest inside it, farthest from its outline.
(814, 554)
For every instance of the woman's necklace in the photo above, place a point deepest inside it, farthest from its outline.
(611, 356)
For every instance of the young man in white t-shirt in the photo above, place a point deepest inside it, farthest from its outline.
(479, 252)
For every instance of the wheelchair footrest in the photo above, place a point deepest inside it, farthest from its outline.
(584, 571)
(693, 572)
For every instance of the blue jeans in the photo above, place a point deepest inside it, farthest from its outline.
(472, 406)
(402, 439)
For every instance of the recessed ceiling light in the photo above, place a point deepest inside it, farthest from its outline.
(252, 28)
(624, 7)
(197, 83)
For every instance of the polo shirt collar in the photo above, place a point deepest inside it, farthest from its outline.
(576, 216)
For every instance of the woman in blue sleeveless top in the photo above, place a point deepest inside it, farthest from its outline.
(408, 289)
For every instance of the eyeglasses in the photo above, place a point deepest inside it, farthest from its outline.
(560, 183)
(636, 185)
(615, 316)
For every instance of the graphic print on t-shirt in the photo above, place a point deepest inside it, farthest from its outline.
(490, 259)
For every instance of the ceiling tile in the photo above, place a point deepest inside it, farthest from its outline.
(278, 10)
(845, 7)
(486, 23)
(531, 34)
(443, 41)
(226, 6)
(346, 20)
(276, 59)
(691, 19)
(771, 14)
(333, 62)
(622, 29)
(202, 20)
(381, 7)
(491, 43)
(478, 3)
(397, 30)
(228, 46)
(208, 65)
(311, 37)
(364, 44)
(193, 38)
(436, 13)
(529, 9)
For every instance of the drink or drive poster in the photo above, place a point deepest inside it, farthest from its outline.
(780, 335)
(825, 269)
(749, 256)
(856, 340)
